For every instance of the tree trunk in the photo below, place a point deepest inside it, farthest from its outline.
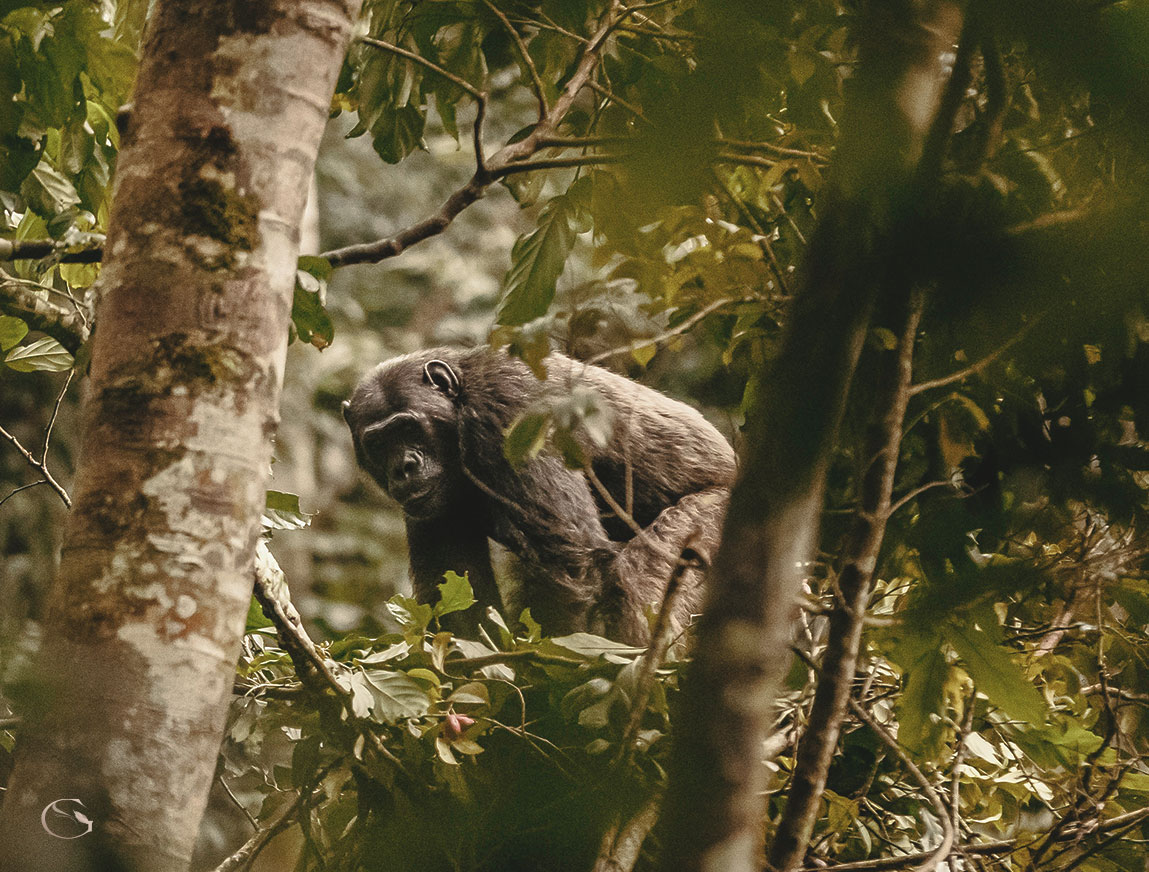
(155, 577)
(714, 806)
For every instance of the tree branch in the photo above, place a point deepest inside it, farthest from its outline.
(688, 559)
(69, 327)
(41, 466)
(844, 639)
(528, 62)
(974, 368)
(499, 165)
(676, 330)
(317, 672)
(458, 81)
(934, 857)
(38, 249)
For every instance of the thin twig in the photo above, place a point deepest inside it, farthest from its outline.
(55, 412)
(677, 330)
(688, 559)
(528, 62)
(235, 800)
(458, 81)
(555, 163)
(916, 492)
(1003, 846)
(22, 487)
(610, 95)
(975, 368)
(763, 238)
(816, 157)
(996, 93)
(39, 465)
(316, 671)
(245, 855)
(943, 850)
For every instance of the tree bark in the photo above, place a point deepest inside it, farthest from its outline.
(155, 577)
(714, 806)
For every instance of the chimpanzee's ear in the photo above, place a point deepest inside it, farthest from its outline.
(439, 374)
(346, 408)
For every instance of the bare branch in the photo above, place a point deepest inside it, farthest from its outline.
(996, 93)
(816, 157)
(688, 559)
(41, 465)
(608, 94)
(554, 163)
(975, 368)
(943, 850)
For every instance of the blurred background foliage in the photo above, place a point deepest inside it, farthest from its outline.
(661, 233)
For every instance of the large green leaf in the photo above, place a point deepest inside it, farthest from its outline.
(539, 257)
(995, 673)
(922, 697)
(46, 355)
(395, 695)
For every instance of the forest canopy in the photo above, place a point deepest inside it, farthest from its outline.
(894, 251)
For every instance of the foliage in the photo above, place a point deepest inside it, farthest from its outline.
(663, 232)
(505, 751)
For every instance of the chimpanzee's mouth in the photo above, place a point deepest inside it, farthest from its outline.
(414, 497)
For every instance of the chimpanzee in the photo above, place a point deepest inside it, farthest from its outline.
(430, 427)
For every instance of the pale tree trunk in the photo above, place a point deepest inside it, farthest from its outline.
(713, 816)
(156, 572)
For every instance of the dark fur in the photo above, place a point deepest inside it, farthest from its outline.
(582, 566)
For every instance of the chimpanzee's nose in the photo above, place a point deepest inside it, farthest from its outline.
(405, 466)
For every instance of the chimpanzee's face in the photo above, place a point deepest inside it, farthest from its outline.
(405, 428)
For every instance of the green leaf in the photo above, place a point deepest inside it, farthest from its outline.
(924, 695)
(995, 673)
(256, 619)
(45, 355)
(309, 314)
(282, 512)
(410, 613)
(526, 437)
(534, 628)
(539, 257)
(397, 132)
(395, 695)
(48, 191)
(589, 645)
(455, 595)
(12, 330)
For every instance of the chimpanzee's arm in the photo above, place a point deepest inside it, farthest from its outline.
(452, 544)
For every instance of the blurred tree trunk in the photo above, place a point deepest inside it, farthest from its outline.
(155, 579)
(714, 808)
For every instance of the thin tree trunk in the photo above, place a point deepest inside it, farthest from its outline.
(155, 578)
(839, 663)
(714, 806)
